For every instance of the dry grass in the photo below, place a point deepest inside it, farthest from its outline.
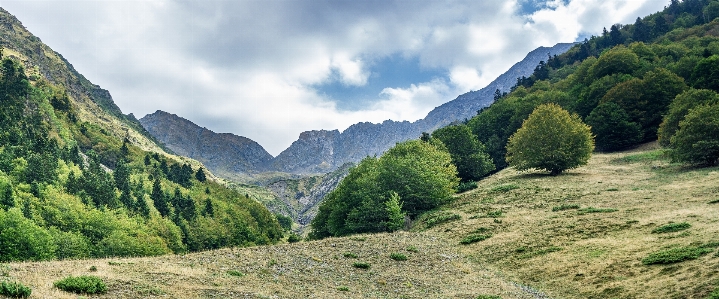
(563, 253)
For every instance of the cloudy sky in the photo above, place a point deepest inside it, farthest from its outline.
(270, 69)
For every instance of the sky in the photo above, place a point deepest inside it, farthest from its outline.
(271, 69)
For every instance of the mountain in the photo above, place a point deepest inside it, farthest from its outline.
(226, 155)
(322, 151)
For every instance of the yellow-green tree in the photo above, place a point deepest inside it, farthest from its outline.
(550, 139)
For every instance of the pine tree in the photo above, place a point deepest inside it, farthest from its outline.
(159, 199)
(200, 175)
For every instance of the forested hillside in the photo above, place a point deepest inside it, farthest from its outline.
(69, 188)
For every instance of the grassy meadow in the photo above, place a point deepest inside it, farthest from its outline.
(628, 225)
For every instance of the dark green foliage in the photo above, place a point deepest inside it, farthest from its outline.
(285, 222)
(715, 293)
(671, 227)
(361, 265)
(697, 140)
(612, 128)
(398, 256)
(294, 238)
(679, 108)
(675, 255)
(706, 73)
(85, 284)
(200, 175)
(411, 177)
(550, 139)
(98, 184)
(159, 199)
(474, 238)
(466, 186)
(14, 289)
(343, 289)
(565, 207)
(468, 154)
(209, 210)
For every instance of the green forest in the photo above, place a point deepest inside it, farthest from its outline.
(656, 79)
(70, 190)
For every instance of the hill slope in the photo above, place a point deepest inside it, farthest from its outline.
(533, 250)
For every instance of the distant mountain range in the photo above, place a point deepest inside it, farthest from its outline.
(322, 151)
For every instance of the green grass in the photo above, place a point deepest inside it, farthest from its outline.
(412, 249)
(714, 294)
(565, 207)
(474, 238)
(398, 256)
(529, 253)
(671, 227)
(495, 214)
(361, 265)
(440, 218)
(504, 188)
(85, 284)
(235, 273)
(349, 255)
(649, 156)
(596, 210)
(343, 289)
(676, 255)
(488, 297)
(14, 290)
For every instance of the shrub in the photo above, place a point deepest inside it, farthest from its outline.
(343, 289)
(714, 294)
(675, 255)
(439, 218)
(696, 141)
(474, 238)
(610, 123)
(412, 249)
(361, 265)
(349, 255)
(14, 290)
(565, 207)
(398, 256)
(504, 188)
(468, 154)
(550, 139)
(294, 238)
(466, 186)
(82, 285)
(671, 227)
(235, 273)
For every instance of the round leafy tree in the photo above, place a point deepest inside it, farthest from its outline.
(697, 140)
(610, 123)
(680, 107)
(468, 154)
(550, 139)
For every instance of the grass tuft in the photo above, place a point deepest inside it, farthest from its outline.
(713, 201)
(675, 255)
(439, 218)
(361, 265)
(235, 273)
(398, 256)
(596, 210)
(14, 290)
(349, 255)
(412, 248)
(565, 207)
(504, 188)
(671, 227)
(488, 297)
(85, 284)
(474, 238)
(343, 289)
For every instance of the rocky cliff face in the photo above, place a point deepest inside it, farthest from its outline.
(226, 155)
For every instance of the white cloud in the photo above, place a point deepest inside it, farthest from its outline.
(251, 67)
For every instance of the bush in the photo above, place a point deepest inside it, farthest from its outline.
(361, 265)
(671, 227)
(613, 130)
(474, 238)
(468, 154)
(466, 186)
(550, 139)
(398, 256)
(294, 238)
(675, 255)
(14, 290)
(85, 284)
(565, 207)
(697, 140)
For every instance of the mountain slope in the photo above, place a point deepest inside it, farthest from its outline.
(226, 155)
